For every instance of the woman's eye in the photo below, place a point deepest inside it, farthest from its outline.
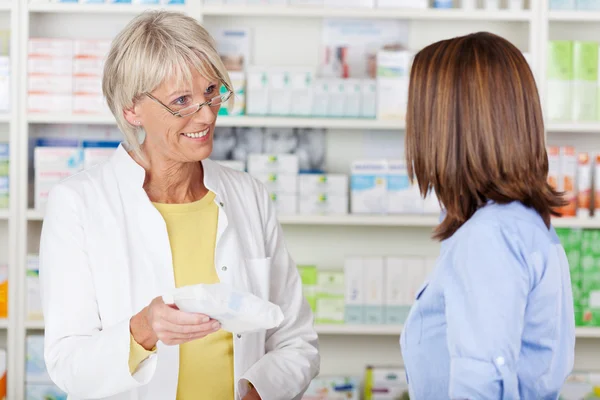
(181, 101)
(210, 90)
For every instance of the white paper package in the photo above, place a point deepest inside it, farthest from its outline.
(238, 312)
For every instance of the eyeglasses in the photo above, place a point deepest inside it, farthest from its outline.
(189, 110)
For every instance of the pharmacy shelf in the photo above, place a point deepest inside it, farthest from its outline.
(3, 323)
(574, 16)
(362, 220)
(342, 329)
(574, 127)
(379, 13)
(426, 221)
(97, 8)
(34, 325)
(568, 222)
(246, 121)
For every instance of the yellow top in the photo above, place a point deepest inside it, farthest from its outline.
(205, 365)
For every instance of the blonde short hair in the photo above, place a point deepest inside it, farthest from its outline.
(154, 46)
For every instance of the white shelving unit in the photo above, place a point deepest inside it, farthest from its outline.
(282, 36)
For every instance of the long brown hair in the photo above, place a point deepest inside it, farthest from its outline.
(474, 129)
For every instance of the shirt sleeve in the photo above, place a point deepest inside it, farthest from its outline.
(137, 354)
(485, 294)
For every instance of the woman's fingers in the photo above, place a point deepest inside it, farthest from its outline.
(174, 338)
(165, 326)
(179, 317)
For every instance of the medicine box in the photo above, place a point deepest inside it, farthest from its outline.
(562, 4)
(4, 158)
(272, 163)
(420, 4)
(52, 165)
(89, 104)
(4, 291)
(585, 81)
(369, 187)
(34, 300)
(47, 84)
(559, 82)
(280, 92)
(368, 101)
(258, 91)
(51, 66)
(397, 301)
(3, 377)
(35, 367)
(354, 275)
(36, 391)
(91, 48)
(238, 80)
(320, 104)
(566, 183)
(48, 103)
(353, 91)
(84, 85)
(323, 204)
(42, 47)
(374, 290)
(279, 183)
(285, 204)
(302, 81)
(385, 383)
(308, 276)
(4, 192)
(333, 387)
(337, 98)
(402, 196)
(330, 297)
(331, 184)
(88, 67)
(96, 152)
(588, 5)
(392, 84)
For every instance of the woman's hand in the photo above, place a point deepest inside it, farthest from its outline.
(159, 321)
(252, 395)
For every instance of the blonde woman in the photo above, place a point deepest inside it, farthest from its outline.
(158, 215)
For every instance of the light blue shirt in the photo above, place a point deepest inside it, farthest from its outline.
(495, 320)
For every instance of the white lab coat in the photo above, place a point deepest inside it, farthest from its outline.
(105, 254)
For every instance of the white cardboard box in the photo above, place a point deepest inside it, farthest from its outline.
(271, 163)
(369, 187)
(50, 47)
(279, 183)
(323, 204)
(285, 204)
(354, 275)
(257, 91)
(375, 290)
(402, 196)
(45, 84)
(46, 103)
(331, 184)
(280, 92)
(392, 84)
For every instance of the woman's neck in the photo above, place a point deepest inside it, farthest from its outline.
(174, 182)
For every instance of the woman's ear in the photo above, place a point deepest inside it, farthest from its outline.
(132, 117)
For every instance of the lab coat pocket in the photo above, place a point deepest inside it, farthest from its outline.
(259, 272)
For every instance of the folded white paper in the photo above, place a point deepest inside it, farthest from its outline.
(238, 312)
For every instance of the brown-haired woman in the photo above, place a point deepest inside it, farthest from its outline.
(495, 320)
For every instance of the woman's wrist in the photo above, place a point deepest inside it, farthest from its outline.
(141, 331)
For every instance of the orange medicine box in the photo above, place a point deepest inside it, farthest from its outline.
(3, 292)
(566, 183)
(584, 185)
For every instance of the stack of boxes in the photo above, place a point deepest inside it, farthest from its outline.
(383, 187)
(271, 90)
(33, 304)
(369, 290)
(66, 75)
(582, 248)
(573, 83)
(325, 194)
(57, 159)
(38, 382)
(280, 174)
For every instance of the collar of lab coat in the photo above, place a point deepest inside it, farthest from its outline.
(132, 175)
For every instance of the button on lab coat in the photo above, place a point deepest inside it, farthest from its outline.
(105, 254)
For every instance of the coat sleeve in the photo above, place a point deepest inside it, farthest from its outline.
(84, 357)
(292, 355)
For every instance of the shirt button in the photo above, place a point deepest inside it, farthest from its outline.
(223, 268)
(221, 204)
(499, 361)
(239, 336)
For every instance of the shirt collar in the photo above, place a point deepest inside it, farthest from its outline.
(132, 175)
